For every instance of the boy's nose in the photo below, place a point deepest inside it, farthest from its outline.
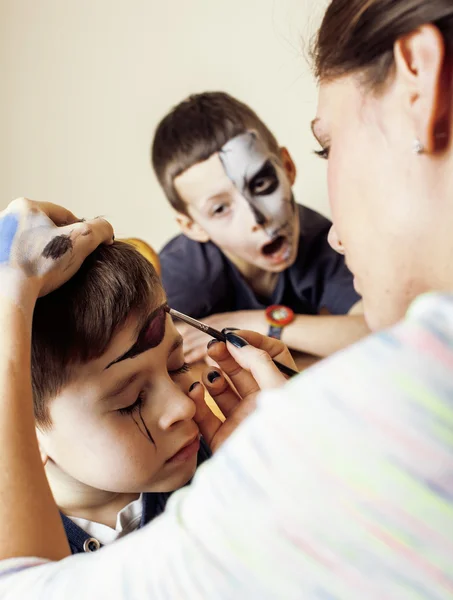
(178, 407)
(335, 241)
(259, 218)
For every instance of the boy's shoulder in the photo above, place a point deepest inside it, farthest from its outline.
(194, 276)
(181, 254)
(181, 245)
(314, 248)
(312, 223)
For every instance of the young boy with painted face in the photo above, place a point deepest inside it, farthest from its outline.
(247, 247)
(115, 423)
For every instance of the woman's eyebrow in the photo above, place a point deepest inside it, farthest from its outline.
(317, 132)
(313, 126)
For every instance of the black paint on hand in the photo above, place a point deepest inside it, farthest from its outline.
(57, 247)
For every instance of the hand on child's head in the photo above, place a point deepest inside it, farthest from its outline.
(45, 244)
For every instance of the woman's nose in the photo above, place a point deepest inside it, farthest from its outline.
(335, 241)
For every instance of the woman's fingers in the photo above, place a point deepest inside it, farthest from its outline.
(220, 390)
(58, 214)
(259, 364)
(242, 380)
(275, 348)
(206, 420)
(250, 369)
(88, 235)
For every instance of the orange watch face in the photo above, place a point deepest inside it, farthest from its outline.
(279, 315)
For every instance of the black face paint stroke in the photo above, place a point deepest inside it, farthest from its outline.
(147, 434)
(259, 217)
(269, 173)
(57, 247)
(263, 183)
(150, 336)
(248, 193)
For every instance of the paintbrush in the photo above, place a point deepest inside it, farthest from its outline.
(221, 337)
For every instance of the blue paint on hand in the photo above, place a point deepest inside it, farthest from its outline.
(8, 229)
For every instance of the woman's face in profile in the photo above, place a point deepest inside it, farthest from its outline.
(372, 173)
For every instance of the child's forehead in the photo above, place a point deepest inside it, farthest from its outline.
(140, 333)
(150, 334)
(246, 145)
(244, 154)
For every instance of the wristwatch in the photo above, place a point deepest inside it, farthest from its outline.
(278, 316)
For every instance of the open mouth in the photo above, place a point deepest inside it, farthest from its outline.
(274, 247)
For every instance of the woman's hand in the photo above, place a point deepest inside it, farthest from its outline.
(249, 369)
(42, 245)
(195, 341)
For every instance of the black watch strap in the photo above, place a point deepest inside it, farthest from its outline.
(275, 332)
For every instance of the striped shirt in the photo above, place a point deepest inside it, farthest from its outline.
(338, 487)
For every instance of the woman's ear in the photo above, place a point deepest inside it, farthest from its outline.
(42, 451)
(423, 71)
(288, 165)
(191, 229)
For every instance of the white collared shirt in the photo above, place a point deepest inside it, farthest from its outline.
(127, 520)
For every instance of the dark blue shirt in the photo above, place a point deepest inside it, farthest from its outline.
(200, 280)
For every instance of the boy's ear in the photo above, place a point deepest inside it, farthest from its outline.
(288, 165)
(191, 229)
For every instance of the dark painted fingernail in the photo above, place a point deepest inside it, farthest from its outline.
(113, 238)
(227, 329)
(194, 385)
(236, 340)
(213, 375)
(212, 342)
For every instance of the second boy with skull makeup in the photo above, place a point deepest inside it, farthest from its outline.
(246, 244)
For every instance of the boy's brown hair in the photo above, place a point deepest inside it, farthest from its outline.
(194, 130)
(76, 323)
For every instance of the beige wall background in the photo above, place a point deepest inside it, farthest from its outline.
(85, 82)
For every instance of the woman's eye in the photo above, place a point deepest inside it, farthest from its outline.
(128, 410)
(185, 367)
(324, 153)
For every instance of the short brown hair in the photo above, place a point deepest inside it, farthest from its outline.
(358, 36)
(76, 323)
(194, 130)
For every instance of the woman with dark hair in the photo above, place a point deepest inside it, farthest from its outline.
(340, 485)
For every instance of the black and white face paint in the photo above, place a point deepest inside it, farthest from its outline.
(262, 181)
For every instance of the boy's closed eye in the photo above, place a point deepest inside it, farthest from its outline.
(123, 385)
(140, 400)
